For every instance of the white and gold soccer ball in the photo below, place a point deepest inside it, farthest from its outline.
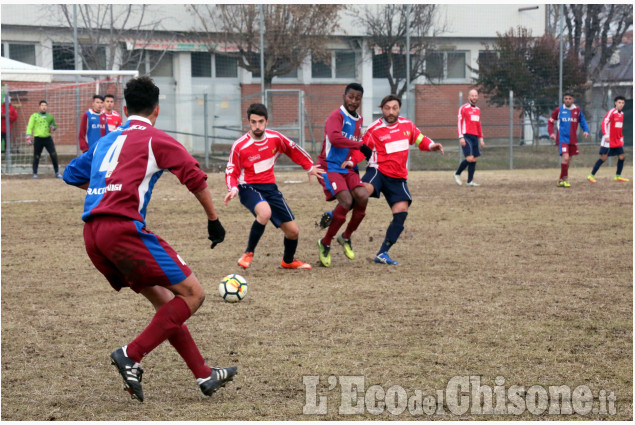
(233, 288)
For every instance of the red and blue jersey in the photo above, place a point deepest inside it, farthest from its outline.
(342, 132)
(612, 129)
(93, 126)
(566, 120)
(123, 167)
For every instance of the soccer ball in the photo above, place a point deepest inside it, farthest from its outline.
(233, 288)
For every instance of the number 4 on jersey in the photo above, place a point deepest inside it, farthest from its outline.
(112, 156)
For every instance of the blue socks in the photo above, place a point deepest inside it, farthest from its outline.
(471, 167)
(290, 246)
(620, 166)
(393, 231)
(462, 166)
(597, 166)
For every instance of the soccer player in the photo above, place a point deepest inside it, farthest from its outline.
(390, 138)
(612, 140)
(119, 173)
(112, 117)
(13, 116)
(249, 175)
(94, 124)
(38, 131)
(470, 136)
(342, 134)
(567, 117)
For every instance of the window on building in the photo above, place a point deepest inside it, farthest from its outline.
(201, 64)
(21, 52)
(446, 65)
(291, 74)
(226, 67)
(456, 65)
(345, 64)
(321, 69)
(485, 57)
(63, 57)
(160, 63)
(93, 57)
(381, 68)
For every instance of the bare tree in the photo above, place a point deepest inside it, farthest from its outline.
(387, 25)
(596, 30)
(292, 33)
(102, 29)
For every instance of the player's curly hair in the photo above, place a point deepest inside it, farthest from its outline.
(354, 86)
(141, 95)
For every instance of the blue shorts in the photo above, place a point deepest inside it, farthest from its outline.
(253, 194)
(394, 190)
(612, 151)
(471, 147)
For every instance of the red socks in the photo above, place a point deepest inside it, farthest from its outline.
(165, 323)
(186, 347)
(358, 215)
(564, 171)
(339, 217)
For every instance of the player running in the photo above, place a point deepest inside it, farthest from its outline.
(119, 174)
(390, 138)
(342, 135)
(612, 140)
(567, 117)
(249, 175)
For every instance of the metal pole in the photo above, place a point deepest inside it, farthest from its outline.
(511, 130)
(205, 131)
(262, 52)
(7, 124)
(76, 54)
(561, 11)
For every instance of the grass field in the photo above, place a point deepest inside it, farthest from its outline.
(515, 279)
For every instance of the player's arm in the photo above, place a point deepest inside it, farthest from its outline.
(425, 143)
(77, 172)
(551, 121)
(232, 172)
(333, 130)
(52, 124)
(83, 144)
(13, 114)
(584, 125)
(29, 128)
(215, 230)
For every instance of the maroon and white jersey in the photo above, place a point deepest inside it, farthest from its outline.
(251, 161)
(469, 121)
(390, 144)
(612, 129)
(123, 167)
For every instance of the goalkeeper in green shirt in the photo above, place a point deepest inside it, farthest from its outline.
(38, 132)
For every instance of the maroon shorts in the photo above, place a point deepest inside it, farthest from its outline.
(333, 183)
(571, 149)
(129, 255)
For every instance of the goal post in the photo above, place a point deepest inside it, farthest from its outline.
(68, 94)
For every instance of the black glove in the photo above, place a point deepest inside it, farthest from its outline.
(216, 232)
(368, 152)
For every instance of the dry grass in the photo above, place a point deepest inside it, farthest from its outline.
(516, 278)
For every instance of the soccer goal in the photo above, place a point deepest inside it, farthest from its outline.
(68, 95)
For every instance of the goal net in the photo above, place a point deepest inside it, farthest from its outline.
(68, 95)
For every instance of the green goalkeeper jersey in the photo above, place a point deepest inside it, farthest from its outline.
(39, 125)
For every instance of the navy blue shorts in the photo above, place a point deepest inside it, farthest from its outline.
(471, 147)
(252, 194)
(612, 151)
(394, 190)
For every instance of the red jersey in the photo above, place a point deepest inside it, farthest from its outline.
(114, 120)
(612, 129)
(251, 161)
(390, 144)
(470, 121)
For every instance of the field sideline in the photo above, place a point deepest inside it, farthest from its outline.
(516, 279)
